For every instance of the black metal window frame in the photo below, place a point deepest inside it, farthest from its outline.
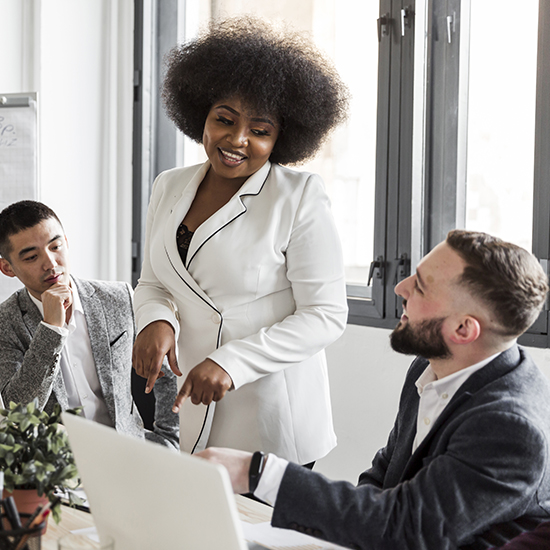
(409, 220)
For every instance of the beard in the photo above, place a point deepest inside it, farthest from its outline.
(425, 339)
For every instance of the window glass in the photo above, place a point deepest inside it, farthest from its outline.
(501, 119)
(347, 160)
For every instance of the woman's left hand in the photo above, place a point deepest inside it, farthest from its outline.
(205, 383)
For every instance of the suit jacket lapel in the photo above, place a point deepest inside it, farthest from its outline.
(32, 319)
(31, 316)
(229, 212)
(220, 219)
(175, 217)
(501, 365)
(99, 341)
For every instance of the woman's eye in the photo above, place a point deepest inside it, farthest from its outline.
(260, 132)
(225, 121)
(417, 287)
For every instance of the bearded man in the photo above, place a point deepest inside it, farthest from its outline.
(467, 461)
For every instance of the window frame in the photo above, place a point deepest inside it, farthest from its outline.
(419, 142)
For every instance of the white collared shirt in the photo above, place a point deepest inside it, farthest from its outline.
(434, 396)
(78, 365)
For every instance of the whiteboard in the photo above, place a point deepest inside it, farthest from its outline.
(18, 159)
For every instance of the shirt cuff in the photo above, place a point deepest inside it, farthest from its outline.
(271, 479)
(62, 331)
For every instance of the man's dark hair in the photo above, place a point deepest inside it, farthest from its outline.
(504, 276)
(20, 216)
(273, 73)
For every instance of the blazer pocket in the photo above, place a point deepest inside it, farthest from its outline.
(118, 339)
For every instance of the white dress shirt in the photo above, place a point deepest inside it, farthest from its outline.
(77, 363)
(434, 396)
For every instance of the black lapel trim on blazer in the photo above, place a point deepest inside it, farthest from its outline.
(199, 296)
(231, 220)
(217, 341)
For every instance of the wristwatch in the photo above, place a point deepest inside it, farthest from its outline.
(255, 471)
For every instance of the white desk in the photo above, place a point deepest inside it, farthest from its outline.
(71, 519)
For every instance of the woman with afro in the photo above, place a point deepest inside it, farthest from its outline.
(243, 266)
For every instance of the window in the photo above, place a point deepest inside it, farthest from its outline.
(487, 151)
(423, 152)
(347, 161)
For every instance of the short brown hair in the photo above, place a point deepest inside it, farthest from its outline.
(506, 277)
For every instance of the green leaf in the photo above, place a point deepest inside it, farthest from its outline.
(56, 512)
(25, 423)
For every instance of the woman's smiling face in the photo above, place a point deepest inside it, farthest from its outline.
(237, 141)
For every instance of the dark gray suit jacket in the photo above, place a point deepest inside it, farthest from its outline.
(480, 476)
(30, 356)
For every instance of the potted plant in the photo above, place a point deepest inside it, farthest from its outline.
(35, 453)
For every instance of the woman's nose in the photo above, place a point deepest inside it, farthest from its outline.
(238, 137)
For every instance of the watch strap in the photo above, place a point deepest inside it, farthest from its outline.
(255, 471)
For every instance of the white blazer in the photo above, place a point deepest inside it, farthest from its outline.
(262, 295)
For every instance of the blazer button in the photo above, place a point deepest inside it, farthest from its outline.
(216, 318)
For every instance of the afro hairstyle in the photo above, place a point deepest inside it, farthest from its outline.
(275, 73)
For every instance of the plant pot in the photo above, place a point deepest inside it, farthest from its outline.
(26, 502)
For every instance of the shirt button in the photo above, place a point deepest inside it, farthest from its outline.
(426, 421)
(216, 319)
(444, 396)
(84, 397)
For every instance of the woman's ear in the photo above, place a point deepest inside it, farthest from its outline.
(467, 331)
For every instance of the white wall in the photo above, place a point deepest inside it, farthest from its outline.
(78, 56)
(366, 377)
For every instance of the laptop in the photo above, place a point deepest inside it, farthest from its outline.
(147, 497)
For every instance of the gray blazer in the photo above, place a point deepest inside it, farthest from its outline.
(481, 476)
(30, 356)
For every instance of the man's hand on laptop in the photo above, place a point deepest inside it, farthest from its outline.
(236, 462)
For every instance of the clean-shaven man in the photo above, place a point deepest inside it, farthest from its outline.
(467, 462)
(69, 340)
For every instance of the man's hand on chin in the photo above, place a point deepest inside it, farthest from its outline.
(57, 302)
(236, 462)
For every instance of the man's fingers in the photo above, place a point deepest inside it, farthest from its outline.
(183, 394)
